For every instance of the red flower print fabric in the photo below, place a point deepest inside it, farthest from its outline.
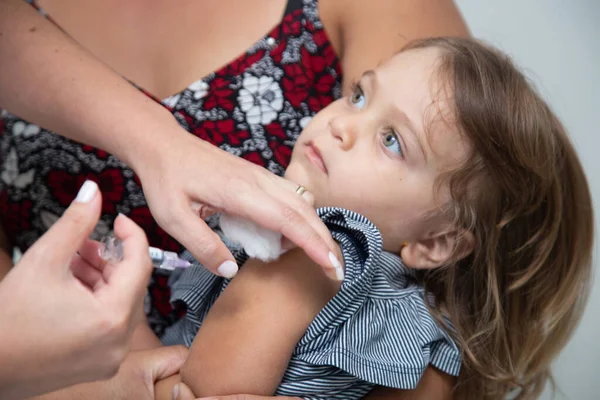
(254, 107)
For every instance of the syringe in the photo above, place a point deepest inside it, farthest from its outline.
(112, 250)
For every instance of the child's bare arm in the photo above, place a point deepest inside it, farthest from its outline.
(246, 341)
(434, 385)
(143, 338)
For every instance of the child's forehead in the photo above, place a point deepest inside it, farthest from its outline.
(424, 59)
(415, 76)
(416, 85)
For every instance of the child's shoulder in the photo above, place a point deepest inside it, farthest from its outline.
(369, 269)
(378, 327)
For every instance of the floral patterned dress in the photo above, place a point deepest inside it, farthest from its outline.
(253, 107)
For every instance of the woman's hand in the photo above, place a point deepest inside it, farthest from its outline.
(185, 178)
(181, 174)
(67, 316)
(135, 379)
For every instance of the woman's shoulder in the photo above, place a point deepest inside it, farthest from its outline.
(365, 33)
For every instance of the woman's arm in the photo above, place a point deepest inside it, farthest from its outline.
(135, 379)
(247, 339)
(48, 79)
(365, 33)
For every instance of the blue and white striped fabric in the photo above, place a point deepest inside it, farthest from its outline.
(376, 331)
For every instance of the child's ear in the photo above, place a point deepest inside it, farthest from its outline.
(437, 249)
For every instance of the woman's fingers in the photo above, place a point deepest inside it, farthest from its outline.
(333, 268)
(64, 238)
(90, 252)
(294, 219)
(307, 212)
(160, 363)
(307, 196)
(88, 266)
(204, 244)
(300, 190)
(87, 273)
(256, 194)
(127, 279)
(182, 392)
(222, 182)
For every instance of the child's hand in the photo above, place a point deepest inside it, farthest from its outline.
(182, 392)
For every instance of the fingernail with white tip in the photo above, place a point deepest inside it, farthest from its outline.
(87, 192)
(339, 270)
(228, 269)
(339, 274)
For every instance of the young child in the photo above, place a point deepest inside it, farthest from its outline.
(465, 223)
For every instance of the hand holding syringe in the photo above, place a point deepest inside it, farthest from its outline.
(112, 250)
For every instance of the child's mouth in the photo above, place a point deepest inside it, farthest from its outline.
(314, 156)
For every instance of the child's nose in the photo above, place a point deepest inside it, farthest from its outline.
(344, 130)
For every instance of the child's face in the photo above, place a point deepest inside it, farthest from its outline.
(380, 151)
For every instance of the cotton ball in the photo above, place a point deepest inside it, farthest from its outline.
(256, 241)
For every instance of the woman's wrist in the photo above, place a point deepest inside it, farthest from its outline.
(150, 146)
(141, 141)
(55, 83)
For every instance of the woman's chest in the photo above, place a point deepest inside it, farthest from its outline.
(254, 107)
(163, 46)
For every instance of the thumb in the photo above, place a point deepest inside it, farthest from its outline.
(182, 392)
(69, 232)
(164, 361)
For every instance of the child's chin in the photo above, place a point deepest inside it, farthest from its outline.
(293, 174)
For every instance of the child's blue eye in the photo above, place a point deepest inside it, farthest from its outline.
(391, 142)
(358, 98)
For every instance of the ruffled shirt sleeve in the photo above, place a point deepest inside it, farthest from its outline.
(377, 330)
(378, 327)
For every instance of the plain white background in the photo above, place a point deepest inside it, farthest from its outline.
(557, 42)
